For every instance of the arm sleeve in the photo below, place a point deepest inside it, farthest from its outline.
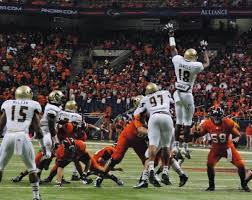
(200, 67)
(176, 58)
(38, 107)
(203, 129)
(4, 105)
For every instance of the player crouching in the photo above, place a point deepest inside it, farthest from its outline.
(73, 151)
(220, 129)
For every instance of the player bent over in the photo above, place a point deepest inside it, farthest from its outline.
(18, 115)
(98, 162)
(186, 69)
(73, 151)
(220, 129)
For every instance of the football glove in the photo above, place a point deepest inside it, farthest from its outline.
(169, 28)
(203, 45)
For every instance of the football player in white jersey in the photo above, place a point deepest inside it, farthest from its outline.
(48, 123)
(186, 69)
(18, 116)
(160, 127)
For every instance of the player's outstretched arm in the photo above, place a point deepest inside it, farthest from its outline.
(170, 29)
(203, 45)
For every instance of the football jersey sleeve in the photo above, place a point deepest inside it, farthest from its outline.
(60, 152)
(167, 93)
(199, 67)
(4, 105)
(80, 145)
(204, 128)
(53, 111)
(37, 107)
(176, 58)
(141, 108)
(230, 124)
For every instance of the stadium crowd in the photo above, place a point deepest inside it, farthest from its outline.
(44, 63)
(133, 3)
(32, 58)
(229, 85)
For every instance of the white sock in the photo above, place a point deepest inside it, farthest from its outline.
(35, 190)
(176, 167)
(145, 175)
(165, 169)
(185, 145)
(75, 172)
(151, 165)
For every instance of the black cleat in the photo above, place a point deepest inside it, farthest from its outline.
(98, 182)
(165, 179)
(16, 179)
(183, 180)
(153, 179)
(119, 182)
(75, 178)
(141, 184)
(245, 188)
(210, 188)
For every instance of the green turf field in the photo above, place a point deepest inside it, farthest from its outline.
(227, 183)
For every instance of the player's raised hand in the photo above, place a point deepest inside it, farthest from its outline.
(203, 45)
(169, 28)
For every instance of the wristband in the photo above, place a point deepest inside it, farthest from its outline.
(172, 41)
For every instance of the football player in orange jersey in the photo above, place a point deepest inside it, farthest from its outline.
(73, 151)
(98, 162)
(220, 129)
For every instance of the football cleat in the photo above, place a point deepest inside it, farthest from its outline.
(210, 188)
(98, 182)
(183, 180)
(75, 178)
(141, 184)
(58, 184)
(245, 188)
(165, 179)
(16, 179)
(153, 179)
(120, 182)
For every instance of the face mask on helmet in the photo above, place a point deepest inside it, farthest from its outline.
(217, 116)
(69, 145)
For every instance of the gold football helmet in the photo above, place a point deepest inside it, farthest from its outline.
(151, 88)
(56, 97)
(191, 55)
(136, 100)
(23, 92)
(71, 106)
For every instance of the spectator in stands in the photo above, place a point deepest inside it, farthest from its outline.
(249, 136)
